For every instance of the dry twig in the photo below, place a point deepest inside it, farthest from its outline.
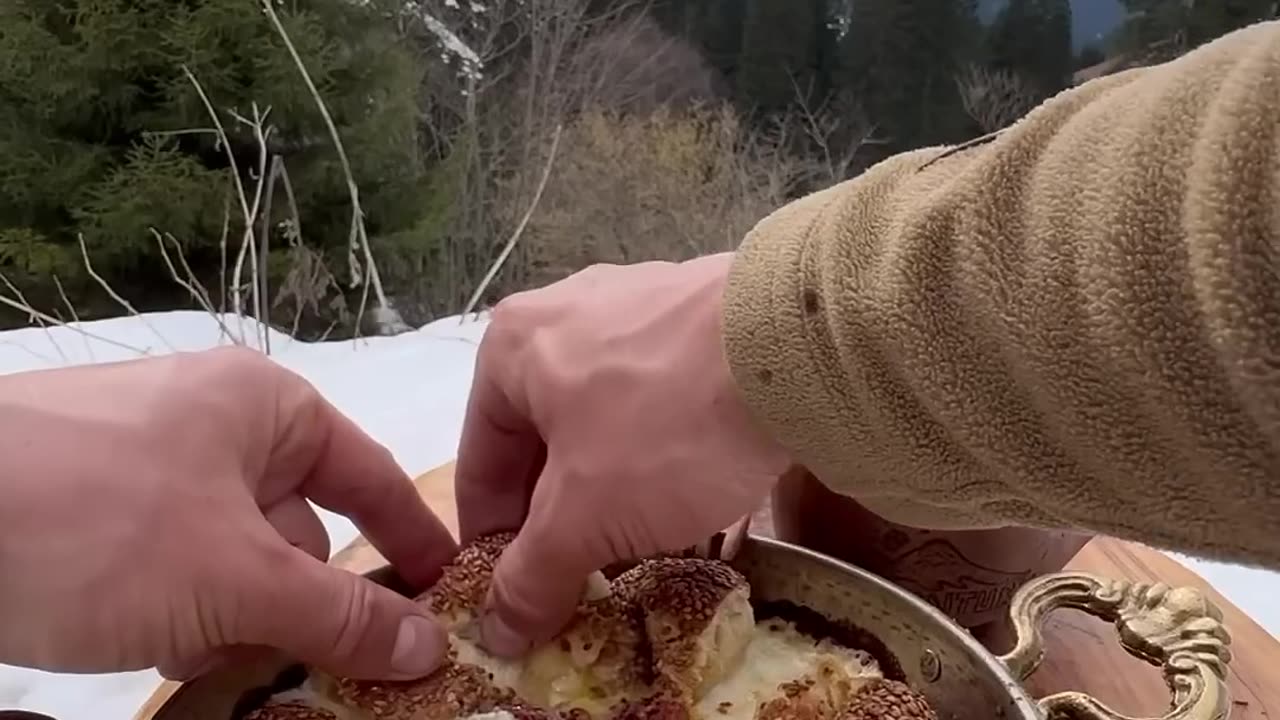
(995, 98)
(192, 285)
(25, 307)
(75, 316)
(524, 221)
(359, 237)
(37, 318)
(128, 307)
(237, 306)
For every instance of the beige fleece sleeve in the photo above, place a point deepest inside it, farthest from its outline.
(1076, 324)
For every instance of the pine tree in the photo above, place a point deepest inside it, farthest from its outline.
(105, 136)
(1157, 30)
(719, 30)
(780, 46)
(1210, 20)
(1033, 38)
(900, 59)
(1153, 30)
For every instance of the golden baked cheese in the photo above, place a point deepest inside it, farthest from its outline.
(669, 639)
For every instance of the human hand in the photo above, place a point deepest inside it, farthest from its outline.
(604, 424)
(154, 514)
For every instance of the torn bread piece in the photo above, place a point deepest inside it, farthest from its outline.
(453, 691)
(598, 662)
(697, 618)
(594, 664)
(784, 673)
(459, 594)
(885, 699)
(669, 639)
(591, 665)
(291, 710)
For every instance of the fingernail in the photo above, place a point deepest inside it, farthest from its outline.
(499, 639)
(417, 649)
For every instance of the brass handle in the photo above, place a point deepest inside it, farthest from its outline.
(1175, 628)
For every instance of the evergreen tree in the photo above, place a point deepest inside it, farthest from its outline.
(719, 31)
(1088, 56)
(1157, 30)
(779, 52)
(106, 137)
(1150, 24)
(1210, 20)
(900, 59)
(1033, 38)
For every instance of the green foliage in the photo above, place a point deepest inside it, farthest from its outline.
(1088, 56)
(156, 186)
(1156, 30)
(900, 59)
(720, 25)
(780, 43)
(105, 136)
(1033, 38)
(1150, 22)
(1211, 20)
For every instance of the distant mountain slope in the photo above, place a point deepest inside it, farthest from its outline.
(1090, 19)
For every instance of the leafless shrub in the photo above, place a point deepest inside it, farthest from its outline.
(833, 133)
(668, 185)
(995, 98)
(545, 65)
(635, 66)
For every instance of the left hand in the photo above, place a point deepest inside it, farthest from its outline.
(154, 514)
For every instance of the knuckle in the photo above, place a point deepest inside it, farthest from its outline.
(508, 331)
(507, 311)
(224, 364)
(239, 357)
(357, 601)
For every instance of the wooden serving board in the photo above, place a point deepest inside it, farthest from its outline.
(1082, 652)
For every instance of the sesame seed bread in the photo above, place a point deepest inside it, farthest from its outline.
(669, 639)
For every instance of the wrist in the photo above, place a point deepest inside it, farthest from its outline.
(715, 270)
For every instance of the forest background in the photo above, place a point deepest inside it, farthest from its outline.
(345, 166)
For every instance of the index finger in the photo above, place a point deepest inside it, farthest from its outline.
(348, 472)
(501, 453)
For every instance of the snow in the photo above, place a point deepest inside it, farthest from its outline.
(408, 391)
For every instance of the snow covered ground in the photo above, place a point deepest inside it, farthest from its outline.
(407, 391)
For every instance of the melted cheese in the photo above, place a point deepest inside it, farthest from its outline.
(775, 655)
(506, 673)
(778, 654)
(562, 685)
(493, 715)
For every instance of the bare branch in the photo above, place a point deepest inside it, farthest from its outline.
(192, 285)
(264, 251)
(524, 221)
(23, 306)
(128, 308)
(222, 250)
(33, 316)
(75, 317)
(995, 98)
(390, 316)
(248, 245)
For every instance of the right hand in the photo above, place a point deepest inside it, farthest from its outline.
(603, 424)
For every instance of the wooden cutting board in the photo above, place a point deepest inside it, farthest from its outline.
(1083, 653)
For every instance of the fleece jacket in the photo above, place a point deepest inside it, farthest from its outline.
(1072, 324)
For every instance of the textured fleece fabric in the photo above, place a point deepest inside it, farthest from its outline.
(1075, 324)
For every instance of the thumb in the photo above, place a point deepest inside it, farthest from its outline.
(344, 624)
(537, 584)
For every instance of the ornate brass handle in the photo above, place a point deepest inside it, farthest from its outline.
(1175, 628)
